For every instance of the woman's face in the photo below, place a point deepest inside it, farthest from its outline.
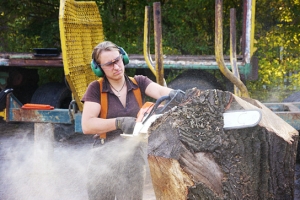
(112, 64)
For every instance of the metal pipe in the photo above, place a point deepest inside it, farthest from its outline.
(233, 59)
(253, 6)
(146, 46)
(248, 29)
(158, 44)
(219, 50)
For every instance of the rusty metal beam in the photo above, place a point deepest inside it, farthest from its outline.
(29, 60)
(15, 113)
(292, 118)
(35, 63)
(158, 44)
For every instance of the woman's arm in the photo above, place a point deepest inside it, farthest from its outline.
(90, 122)
(156, 91)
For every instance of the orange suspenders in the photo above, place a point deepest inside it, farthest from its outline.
(104, 101)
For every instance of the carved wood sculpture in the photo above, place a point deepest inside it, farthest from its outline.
(191, 156)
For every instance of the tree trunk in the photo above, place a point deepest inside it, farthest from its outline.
(191, 156)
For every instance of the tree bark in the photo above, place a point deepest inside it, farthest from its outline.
(191, 156)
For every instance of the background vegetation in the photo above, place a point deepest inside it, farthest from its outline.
(188, 29)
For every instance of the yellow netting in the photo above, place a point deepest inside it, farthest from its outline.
(80, 31)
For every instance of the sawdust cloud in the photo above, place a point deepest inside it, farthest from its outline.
(36, 172)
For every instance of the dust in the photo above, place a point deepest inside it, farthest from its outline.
(118, 169)
(34, 170)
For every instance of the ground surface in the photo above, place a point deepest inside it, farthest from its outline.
(28, 174)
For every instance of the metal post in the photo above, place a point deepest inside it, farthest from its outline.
(146, 46)
(219, 49)
(158, 43)
(233, 59)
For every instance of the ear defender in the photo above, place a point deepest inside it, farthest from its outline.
(97, 69)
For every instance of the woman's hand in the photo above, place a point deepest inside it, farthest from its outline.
(177, 95)
(126, 124)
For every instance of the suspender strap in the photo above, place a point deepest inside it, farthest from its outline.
(104, 101)
(104, 105)
(137, 93)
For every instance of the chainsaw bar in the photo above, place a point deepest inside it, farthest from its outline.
(238, 119)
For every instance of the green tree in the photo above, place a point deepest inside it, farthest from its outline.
(27, 24)
(188, 26)
(278, 49)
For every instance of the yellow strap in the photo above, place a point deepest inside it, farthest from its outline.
(104, 101)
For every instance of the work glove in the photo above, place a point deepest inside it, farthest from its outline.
(126, 124)
(178, 95)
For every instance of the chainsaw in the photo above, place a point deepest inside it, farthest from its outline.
(234, 119)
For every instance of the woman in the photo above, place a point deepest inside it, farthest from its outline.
(118, 157)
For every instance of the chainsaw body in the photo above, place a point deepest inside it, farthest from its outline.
(143, 121)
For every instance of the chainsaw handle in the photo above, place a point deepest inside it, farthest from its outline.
(157, 103)
(170, 100)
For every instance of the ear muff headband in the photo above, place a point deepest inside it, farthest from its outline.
(97, 69)
(124, 55)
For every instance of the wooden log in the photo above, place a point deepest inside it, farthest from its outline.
(191, 156)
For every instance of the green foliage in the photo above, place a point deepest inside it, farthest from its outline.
(28, 24)
(187, 29)
(278, 50)
(187, 26)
